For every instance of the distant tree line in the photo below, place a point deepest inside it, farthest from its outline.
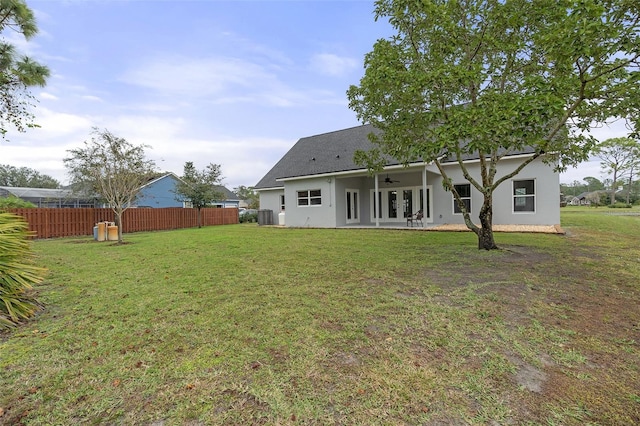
(620, 161)
(25, 177)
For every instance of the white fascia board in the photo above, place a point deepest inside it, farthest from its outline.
(357, 172)
(477, 160)
(321, 175)
(392, 168)
(273, 188)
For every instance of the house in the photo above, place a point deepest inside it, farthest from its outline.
(49, 198)
(317, 184)
(581, 199)
(589, 198)
(160, 192)
(230, 198)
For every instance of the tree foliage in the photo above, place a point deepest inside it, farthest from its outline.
(25, 177)
(111, 167)
(17, 73)
(249, 195)
(18, 273)
(13, 202)
(588, 184)
(619, 158)
(199, 187)
(490, 78)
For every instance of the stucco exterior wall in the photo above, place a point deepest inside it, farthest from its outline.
(547, 195)
(359, 184)
(318, 216)
(332, 210)
(270, 200)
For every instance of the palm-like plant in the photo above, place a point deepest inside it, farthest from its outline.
(17, 272)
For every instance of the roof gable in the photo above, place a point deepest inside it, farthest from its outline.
(325, 153)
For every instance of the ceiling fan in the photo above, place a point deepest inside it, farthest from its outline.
(388, 180)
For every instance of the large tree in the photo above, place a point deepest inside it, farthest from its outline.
(490, 78)
(200, 187)
(17, 72)
(112, 168)
(619, 157)
(25, 177)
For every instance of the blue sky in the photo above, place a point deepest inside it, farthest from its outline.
(235, 83)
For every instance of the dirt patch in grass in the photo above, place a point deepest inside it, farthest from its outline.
(586, 330)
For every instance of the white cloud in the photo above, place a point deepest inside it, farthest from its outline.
(221, 80)
(197, 77)
(244, 161)
(583, 170)
(48, 96)
(333, 65)
(91, 98)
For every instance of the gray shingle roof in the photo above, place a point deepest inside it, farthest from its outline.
(325, 153)
(229, 195)
(328, 153)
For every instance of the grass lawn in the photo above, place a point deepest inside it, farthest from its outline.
(242, 325)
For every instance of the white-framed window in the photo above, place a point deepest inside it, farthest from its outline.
(282, 202)
(524, 196)
(464, 190)
(310, 197)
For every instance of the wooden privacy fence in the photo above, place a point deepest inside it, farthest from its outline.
(51, 223)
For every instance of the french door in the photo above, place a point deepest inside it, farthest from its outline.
(396, 204)
(353, 205)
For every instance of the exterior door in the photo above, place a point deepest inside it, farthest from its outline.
(395, 205)
(353, 206)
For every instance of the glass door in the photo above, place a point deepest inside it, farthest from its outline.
(353, 206)
(392, 204)
(407, 203)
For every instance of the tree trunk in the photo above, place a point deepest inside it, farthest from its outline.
(199, 217)
(119, 225)
(485, 233)
(613, 188)
(629, 186)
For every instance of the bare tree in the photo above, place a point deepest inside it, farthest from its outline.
(112, 168)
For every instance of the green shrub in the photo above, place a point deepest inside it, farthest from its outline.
(13, 202)
(249, 217)
(619, 206)
(17, 272)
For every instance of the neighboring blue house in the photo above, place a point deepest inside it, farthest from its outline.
(160, 192)
(230, 198)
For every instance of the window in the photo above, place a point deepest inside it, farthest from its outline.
(524, 195)
(312, 197)
(464, 190)
(282, 203)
